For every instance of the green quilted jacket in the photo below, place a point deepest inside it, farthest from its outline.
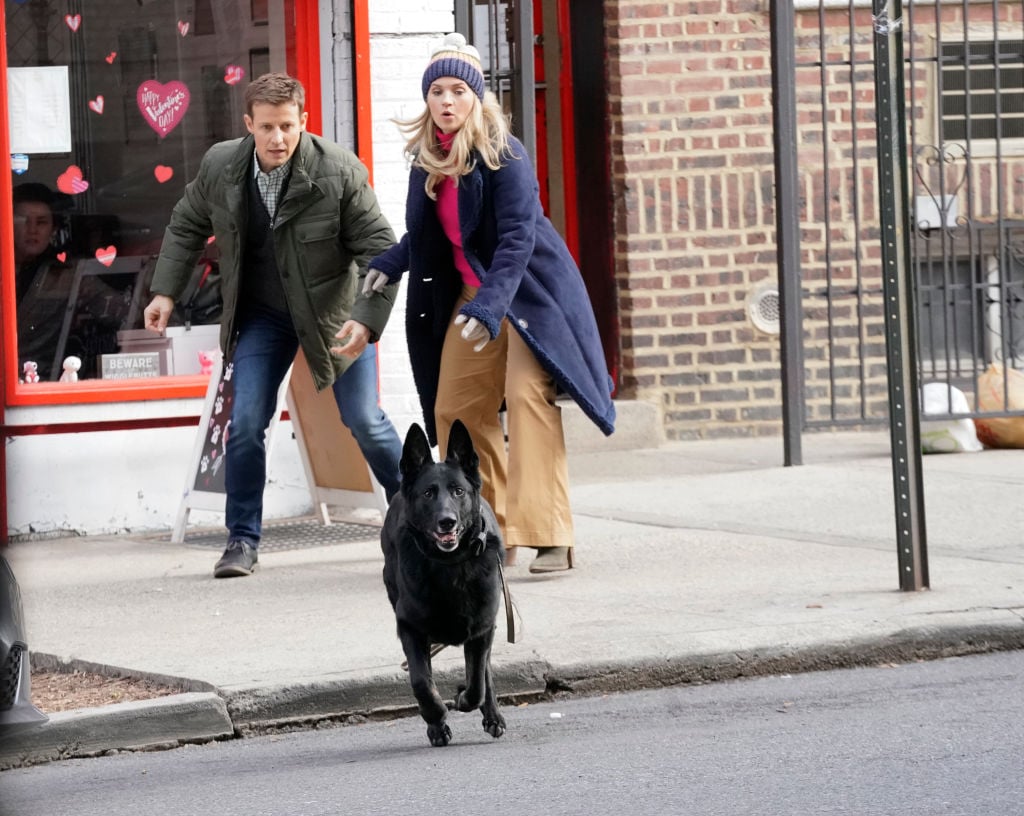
(329, 227)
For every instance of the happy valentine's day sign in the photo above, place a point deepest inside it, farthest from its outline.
(162, 106)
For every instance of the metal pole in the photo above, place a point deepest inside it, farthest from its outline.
(901, 333)
(787, 226)
(524, 81)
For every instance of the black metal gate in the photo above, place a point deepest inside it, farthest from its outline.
(964, 88)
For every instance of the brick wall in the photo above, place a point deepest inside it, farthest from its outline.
(689, 93)
(690, 100)
(401, 33)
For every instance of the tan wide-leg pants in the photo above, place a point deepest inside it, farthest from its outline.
(527, 485)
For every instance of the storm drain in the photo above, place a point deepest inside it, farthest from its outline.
(294, 535)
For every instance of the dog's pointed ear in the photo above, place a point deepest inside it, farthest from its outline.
(460, 448)
(415, 452)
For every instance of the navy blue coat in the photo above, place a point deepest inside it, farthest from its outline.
(526, 273)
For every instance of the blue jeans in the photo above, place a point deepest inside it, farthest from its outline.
(267, 345)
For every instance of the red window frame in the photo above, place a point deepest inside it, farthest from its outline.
(303, 60)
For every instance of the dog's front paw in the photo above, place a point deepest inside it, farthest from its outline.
(494, 724)
(440, 734)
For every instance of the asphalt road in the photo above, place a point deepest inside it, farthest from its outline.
(925, 738)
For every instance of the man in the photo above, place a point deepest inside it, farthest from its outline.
(296, 223)
(43, 282)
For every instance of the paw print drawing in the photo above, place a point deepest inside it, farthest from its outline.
(228, 372)
(204, 464)
(218, 405)
(215, 435)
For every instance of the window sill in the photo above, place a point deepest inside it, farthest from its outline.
(100, 391)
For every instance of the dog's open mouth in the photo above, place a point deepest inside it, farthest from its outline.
(446, 542)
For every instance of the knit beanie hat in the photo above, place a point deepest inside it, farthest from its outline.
(454, 58)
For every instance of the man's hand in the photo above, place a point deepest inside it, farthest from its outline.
(353, 336)
(474, 331)
(158, 312)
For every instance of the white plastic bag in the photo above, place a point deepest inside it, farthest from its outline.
(946, 435)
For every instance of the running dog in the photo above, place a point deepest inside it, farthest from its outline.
(443, 553)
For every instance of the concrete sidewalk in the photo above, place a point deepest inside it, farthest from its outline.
(696, 561)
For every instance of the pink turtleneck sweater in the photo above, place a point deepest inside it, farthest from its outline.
(448, 214)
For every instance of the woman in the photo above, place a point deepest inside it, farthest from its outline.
(44, 280)
(497, 310)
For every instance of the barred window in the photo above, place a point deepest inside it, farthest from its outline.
(982, 90)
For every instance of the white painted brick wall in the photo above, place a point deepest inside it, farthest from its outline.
(401, 34)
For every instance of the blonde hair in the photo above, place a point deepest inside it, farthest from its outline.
(485, 132)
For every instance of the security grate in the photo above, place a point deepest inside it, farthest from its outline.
(295, 535)
(10, 678)
(982, 95)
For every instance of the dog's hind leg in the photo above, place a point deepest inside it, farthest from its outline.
(478, 654)
(494, 723)
(421, 677)
(479, 690)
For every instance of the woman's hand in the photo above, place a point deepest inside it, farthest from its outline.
(474, 331)
(375, 281)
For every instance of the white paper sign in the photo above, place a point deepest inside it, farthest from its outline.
(39, 109)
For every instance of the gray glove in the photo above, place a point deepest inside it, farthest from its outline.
(375, 281)
(474, 331)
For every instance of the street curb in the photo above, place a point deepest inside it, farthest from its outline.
(162, 722)
(903, 646)
(196, 717)
(270, 707)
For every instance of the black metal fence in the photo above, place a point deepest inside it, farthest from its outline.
(964, 84)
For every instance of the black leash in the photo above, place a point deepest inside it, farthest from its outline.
(510, 621)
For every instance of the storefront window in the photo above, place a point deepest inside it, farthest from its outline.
(111, 106)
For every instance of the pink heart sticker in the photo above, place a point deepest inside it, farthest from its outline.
(106, 255)
(233, 74)
(163, 172)
(62, 256)
(111, 57)
(71, 181)
(97, 104)
(162, 106)
(73, 21)
(182, 27)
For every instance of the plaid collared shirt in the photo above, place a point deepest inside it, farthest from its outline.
(270, 184)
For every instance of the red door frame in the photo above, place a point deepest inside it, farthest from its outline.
(303, 61)
(591, 206)
(568, 120)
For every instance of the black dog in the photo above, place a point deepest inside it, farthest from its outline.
(442, 558)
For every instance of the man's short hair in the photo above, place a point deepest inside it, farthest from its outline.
(37, 193)
(274, 89)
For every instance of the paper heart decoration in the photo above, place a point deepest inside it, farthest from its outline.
(182, 27)
(97, 104)
(106, 255)
(62, 256)
(73, 21)
(111, 57)
(233, 74)
(162, 106)
(71, 181)
(163, 172)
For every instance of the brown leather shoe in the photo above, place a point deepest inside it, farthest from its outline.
(552, 559)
